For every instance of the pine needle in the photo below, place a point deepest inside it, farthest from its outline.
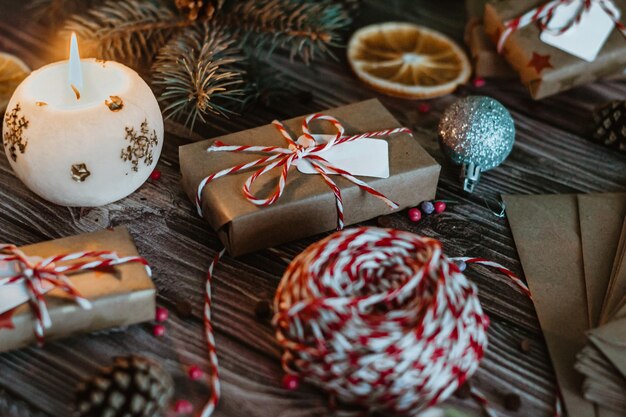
(55, 12)
(199, 72)
(195, 48)
(126, 30)
(303, 27)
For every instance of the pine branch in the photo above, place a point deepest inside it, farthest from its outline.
(304, 27)
(199, 72)
(55, 12)
(126, 30)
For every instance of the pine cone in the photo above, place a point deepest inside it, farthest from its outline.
(199, 9)
(610, 125)
(132, 387)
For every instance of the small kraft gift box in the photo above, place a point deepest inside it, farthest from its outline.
(557, 45)
(76, 284)
(247, 187)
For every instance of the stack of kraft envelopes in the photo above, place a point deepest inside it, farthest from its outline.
(572, 249)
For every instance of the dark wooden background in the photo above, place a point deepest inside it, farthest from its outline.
(551, 155)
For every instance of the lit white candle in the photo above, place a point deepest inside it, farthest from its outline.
(83, 132)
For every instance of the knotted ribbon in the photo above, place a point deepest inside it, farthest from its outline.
(543, 14)
(284, 158)
(34, 274)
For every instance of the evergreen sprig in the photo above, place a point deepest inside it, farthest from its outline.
(127, 30)
(55, 12)
(303, 27)
(205, 57)
(199, 72)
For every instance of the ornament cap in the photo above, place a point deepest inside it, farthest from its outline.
(471, 176)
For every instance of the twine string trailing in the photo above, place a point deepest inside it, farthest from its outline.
(284, 158)
(53, 271)
(376, 317)
(543, 14)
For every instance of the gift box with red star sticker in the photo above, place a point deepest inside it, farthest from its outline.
(545, 69)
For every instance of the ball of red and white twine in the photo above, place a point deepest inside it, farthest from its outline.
(381, 319)
(378, 318)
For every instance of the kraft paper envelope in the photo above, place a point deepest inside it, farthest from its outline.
(546, 230)
(601, 219)
(611, 340)
(617, 285)
(619, 269)
(603, 383)
(620, 277)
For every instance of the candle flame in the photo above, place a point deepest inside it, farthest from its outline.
(75, 78)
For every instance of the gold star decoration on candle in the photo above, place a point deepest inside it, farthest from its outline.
(115, 104)
(13, 137)
(80, 172)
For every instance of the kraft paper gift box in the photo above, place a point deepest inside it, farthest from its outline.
(486, 61)
(120, 295)
(307, 206)
(475, 8)
(545, 69)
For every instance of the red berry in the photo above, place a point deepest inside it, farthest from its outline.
(195, 373)
(440, 206)
(291, 382)
(155, 175)
(162, 314)
(423, 108)
(183, 407)
(158, 330)
(479, 82)
(415, 214)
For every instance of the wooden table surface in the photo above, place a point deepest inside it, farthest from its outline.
(551, 155)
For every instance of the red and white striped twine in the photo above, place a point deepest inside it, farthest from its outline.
(214, 375)
(47, 271)
(380, 319)
(543, 14)
(284, 158)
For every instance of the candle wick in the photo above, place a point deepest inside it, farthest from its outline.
(76, 91)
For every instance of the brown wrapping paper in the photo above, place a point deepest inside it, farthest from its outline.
(616, 291)
(546, 230)
(475, 8)
(121, 297)
(486, 61)
(307, 206)
(544, 69)
(601, 218)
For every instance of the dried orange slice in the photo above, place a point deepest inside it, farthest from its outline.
(12, 72)
(407, 60)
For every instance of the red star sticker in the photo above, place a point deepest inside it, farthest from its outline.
(540, 62)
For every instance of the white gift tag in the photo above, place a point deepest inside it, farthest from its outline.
(13, 295)
(363, 157)
(586, 38)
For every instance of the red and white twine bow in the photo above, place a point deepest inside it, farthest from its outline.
(543, 14)
(381, 319)
(36, 275)
(284, 158)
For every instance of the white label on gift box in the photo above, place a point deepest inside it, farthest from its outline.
(13, 295)
(363, 157)
(586, 38)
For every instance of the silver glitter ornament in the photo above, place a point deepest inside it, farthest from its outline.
(478, 133)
